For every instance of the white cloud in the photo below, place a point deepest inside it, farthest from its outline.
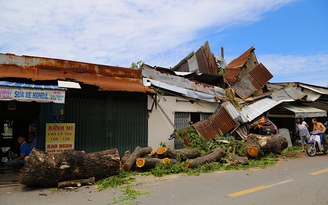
(311, 69)
(118, 32)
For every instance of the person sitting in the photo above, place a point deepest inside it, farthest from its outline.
(33, 140)
(265, 126)
(25, 150)
(319, 129)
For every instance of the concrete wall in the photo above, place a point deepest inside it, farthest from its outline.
(159, 126)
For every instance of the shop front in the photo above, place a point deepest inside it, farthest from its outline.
(20, 112)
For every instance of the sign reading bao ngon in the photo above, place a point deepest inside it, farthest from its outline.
(59, 137)
(28, 95)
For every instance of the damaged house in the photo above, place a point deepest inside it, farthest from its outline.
(237, 98)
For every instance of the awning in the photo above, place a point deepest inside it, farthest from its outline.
(31, 92)
(303, 111)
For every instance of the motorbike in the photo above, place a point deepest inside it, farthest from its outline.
(316, 144)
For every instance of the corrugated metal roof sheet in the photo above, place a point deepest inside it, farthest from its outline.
(105, 77)
(234, 113)
(257, 108)
(311, 95)
(241, 60)
(203, 61)
(182, 83)
(303, 111)
(287, 94)
(252, 82)
(316, 89)
(218, 123)
(34, 86)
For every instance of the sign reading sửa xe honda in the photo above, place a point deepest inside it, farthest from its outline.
(31, 92)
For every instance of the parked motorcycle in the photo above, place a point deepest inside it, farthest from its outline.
(315, 144)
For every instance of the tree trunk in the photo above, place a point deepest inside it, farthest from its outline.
(148, 163)
(164, 152)
(188, 153)
(212, 156)
(272, 143)
(125, 156)
(138, 152)
(45, 169)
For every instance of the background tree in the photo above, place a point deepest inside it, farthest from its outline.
(137, 65)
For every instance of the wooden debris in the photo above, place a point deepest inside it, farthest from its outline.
(234, 160)
(125, 156)
(267, 143)
(212, 156)
(164, 152)
(138, 152)
(46, 169)
(76, 182)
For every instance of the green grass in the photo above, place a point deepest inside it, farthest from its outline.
(116, 181)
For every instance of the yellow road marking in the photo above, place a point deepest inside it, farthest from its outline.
(259, 188)
(248, 191)
(319, 172)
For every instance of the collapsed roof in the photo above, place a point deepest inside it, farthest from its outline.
(245, 94)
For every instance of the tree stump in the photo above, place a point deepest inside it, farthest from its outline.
(271, 143)
(211, 156)
(138, 152)
(45, 169)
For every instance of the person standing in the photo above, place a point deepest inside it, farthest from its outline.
(303, 131)
(25, 150)
(33, 140)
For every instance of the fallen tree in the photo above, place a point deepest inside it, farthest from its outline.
(266, 143)
(45, 169)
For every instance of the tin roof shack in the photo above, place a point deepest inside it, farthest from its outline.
(179, 99)
(109, 111)
(297, 100)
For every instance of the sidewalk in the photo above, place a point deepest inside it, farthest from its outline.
(8, 177)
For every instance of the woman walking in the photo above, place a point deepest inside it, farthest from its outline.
(303, 131)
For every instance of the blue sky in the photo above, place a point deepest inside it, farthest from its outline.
(290, 36)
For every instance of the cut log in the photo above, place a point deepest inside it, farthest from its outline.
(266, 143)
(188, 153)
(234, 160)
(148, 163)
(212, 156)
(164, 152)
(125, 156)
(138, 152)
(77, 182)
(46, 169)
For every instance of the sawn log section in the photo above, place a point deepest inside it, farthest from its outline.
(44, 169)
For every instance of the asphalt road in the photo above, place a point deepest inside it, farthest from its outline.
(298, 181)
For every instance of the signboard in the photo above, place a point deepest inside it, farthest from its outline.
(59, 137)
(28, 95)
